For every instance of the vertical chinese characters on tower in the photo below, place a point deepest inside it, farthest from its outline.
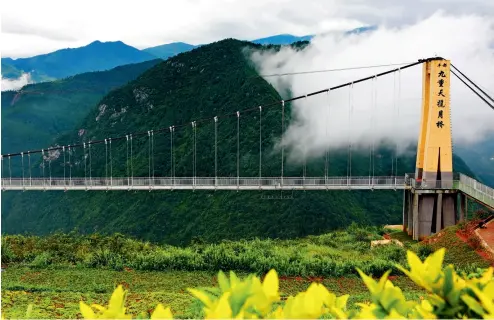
(441, 104)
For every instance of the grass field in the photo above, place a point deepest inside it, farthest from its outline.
(56, 293)
(41, 271)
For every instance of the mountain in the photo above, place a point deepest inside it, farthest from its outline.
(479, 157)
(285, 39)
(211, 80)
(166, 51)
(282, 39)
(96, 56)
(33, 116)
(9, 71)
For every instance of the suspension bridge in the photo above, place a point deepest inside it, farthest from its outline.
(433, 196)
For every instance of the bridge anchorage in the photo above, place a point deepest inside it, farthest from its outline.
(433, 198)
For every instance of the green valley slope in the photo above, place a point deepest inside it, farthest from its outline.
(212, 80)
(37, 114)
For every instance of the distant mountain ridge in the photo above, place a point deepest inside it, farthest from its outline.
(99, 56)
(168, 50)
(96, 56)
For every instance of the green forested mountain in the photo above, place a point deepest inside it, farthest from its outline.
(212, 80)
(38, 113)
(168, 50)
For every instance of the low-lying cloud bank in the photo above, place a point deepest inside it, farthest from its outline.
(16, 84)
(344, 116)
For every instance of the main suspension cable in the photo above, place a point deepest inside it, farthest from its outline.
(473, 90)
(476, 86)
(250, 109)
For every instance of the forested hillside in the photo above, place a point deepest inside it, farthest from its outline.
(38, 113)
(212, 80)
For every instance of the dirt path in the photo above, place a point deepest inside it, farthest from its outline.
(487, 235)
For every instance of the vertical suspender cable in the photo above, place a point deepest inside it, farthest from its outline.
(149, 157)
(304, 171)
(70, 167)
(131, 162)
(30, 173)
(393, 154)
(49, 165)
(326, 162)
(64, 164)
(43, 166)
(260, 144)
(111, 166)
(371, 132)
(90, 164)
(10, 171)
(106, 162)
(85, 163)
(215, 151)
(238, 149)
(127, 164)
(398, 112)
(282, 138)
(194, 154)
(22, 164)
(348, 169)
(373, 124)
(172, 173)
(152, 152)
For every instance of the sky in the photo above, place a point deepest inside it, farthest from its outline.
(31, 27)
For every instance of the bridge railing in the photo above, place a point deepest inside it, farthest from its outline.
(297, 182)
(433, 184)
(477, 190)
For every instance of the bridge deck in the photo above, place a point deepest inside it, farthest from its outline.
(207, 183)
(477, 191)
(466, 184)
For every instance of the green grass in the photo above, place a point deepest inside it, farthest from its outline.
(56, 292)
(56, 272)
(333, 254)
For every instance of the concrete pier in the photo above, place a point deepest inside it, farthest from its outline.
(426, 212)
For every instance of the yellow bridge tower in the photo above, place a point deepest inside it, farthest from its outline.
(430, 204)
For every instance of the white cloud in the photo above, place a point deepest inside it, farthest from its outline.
(55, 24)
(465, 40)
(16, 84)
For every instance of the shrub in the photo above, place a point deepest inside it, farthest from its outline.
(450, 295)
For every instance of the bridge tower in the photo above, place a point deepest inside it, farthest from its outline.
(430, 204)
